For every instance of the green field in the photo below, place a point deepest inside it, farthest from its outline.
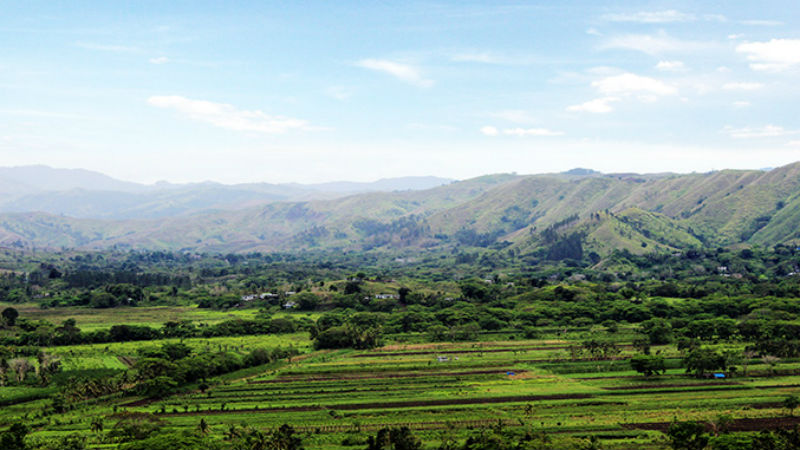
(344, 395)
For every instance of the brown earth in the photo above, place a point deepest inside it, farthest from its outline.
(385, 376)
(748, 424)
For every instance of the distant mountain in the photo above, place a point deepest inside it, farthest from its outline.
(43, 178)
(581, 172)
(540, 215)
(84, 194)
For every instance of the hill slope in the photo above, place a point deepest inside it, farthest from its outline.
(640, 213)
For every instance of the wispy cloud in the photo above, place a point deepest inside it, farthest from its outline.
(665, 16)
(227, 116)
(597, 106)
(757, 132)
(654, 44)
(762, 23)
(520, 132)
(742, 86)
(506, 59)
(159, 60)
(741, 104)
(671, 66)
(630, 84)
(401, 71)
(773, 55)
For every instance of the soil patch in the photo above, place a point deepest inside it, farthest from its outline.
(747, 424)
(386, 375)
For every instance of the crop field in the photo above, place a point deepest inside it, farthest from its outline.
(152, 316)
(439, 390)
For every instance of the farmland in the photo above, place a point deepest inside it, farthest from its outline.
(250, 351)
(438, 390)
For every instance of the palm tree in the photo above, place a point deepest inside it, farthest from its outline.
(204, 429)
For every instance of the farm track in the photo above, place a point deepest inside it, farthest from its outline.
(390, 405)
(746, 424)
(674, 385)
(385, 376)
(455, 352)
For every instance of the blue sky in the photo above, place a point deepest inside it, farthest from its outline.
(321, 91)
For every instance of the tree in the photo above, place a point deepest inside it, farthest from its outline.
(791, 403)
(394, 439)
(48, 365)
(285, 438)
(704, 360)
(203, 426)
(687, 436)
(14, 438)
(659, 331)
(10, 316)
(21, 367)
(647, 365)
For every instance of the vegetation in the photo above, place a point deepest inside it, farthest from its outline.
(465, 349)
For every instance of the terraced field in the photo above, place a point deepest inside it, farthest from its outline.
(331, 394)
(437, 390)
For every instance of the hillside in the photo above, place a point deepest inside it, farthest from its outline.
(640, 213)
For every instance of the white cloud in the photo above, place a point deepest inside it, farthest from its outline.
(735, 36)
(159, 60)
(666, 16)
(773, 55)
(597, 106)
(593, 31)
(757, 132)
(793, 143)
(742, 86)
(741, 104)
(615, 88)
(519, 132)
(227, 116)
(629, 83)
(490, 131)
(403, 72)
(654, 44)
(671, 66)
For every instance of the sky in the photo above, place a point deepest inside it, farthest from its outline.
(313, 91)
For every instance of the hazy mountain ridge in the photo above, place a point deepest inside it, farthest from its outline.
(640, 213)
(85, 194)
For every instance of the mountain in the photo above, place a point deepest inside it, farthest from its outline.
(84, 194)
(548, 215)
(43, 178)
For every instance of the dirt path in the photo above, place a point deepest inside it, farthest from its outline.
(389, 405)
(386, 376)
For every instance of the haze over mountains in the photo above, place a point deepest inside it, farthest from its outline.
(521, 213)
(85, 194)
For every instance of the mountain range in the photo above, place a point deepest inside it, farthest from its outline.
(521, 213)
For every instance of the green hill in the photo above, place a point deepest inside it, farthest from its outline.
(639, 213)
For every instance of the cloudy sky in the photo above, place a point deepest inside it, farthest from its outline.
(320, 91)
